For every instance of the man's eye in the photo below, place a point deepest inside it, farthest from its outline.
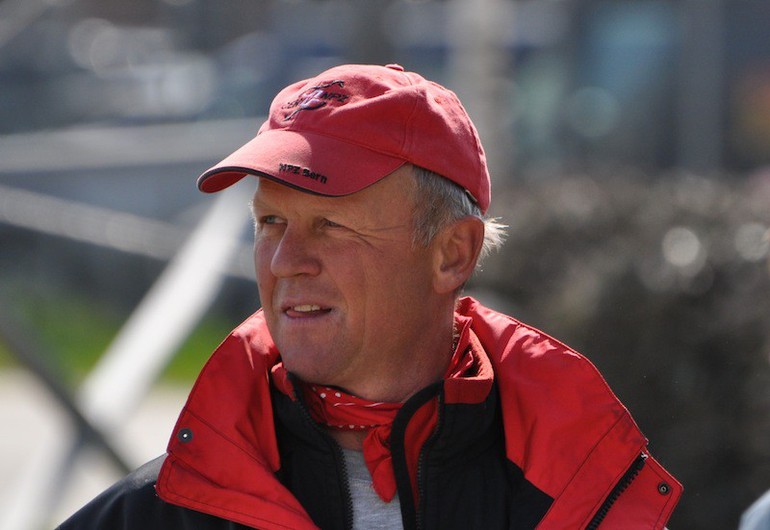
(269, 220)
(331, 224)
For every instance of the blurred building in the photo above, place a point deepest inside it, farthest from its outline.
(650, 83)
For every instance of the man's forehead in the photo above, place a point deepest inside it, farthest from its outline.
(397, 186)
(274, 197)
(270, 190)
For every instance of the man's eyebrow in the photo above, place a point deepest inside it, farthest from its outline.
(256, 204)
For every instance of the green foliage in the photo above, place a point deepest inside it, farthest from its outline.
(74, 329)
(70, 330)
(196, 350)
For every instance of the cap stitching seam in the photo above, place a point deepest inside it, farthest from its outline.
(408, 133)
(469, 124)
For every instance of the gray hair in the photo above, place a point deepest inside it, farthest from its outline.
(439, 202)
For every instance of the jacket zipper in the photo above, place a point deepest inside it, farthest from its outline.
(623, 484)
(410, 510)
(339, 458)
(419, 516)
(343, 469)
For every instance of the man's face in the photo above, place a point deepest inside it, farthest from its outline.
(346, 295)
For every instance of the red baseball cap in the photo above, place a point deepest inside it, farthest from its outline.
(352, 125)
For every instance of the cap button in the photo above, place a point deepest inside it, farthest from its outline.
(394, 66)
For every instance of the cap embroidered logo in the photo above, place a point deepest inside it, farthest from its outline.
(315, 98)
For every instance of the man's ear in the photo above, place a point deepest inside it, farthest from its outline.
(456, 251)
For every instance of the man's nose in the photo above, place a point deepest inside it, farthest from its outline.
(296, 254)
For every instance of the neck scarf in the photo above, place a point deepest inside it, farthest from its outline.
(337, 409)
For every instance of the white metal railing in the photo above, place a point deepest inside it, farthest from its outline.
(142, 348)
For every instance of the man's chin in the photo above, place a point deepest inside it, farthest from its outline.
(311, 368)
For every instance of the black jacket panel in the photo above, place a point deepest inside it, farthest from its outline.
(132, 504)
(312, 465)
(464, 478)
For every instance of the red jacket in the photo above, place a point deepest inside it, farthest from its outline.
(564, 430)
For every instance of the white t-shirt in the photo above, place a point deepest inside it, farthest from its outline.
(370, 512)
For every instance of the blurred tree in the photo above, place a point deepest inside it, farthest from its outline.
(666, 287)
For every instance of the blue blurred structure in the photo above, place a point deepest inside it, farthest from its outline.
(650, 83)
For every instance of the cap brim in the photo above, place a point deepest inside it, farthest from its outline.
(308, 161)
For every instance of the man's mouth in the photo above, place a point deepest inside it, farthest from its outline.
(306, 310)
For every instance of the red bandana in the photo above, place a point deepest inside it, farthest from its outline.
(337, 409)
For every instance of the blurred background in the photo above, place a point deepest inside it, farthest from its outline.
(629, 143)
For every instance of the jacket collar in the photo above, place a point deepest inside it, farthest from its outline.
(223, 453)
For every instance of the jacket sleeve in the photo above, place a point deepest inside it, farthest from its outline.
(121, 505)
(133, 504)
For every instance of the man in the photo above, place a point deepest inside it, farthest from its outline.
(365, 393)
(757, 516)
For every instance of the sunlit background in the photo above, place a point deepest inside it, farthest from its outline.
(629, 143)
